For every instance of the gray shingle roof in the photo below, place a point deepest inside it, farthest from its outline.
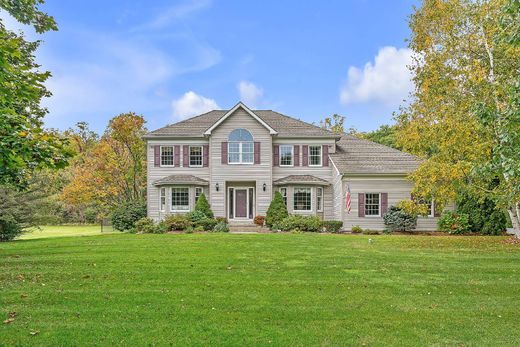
(301, 179)
(285, 126)
(358, 156)
(181, 179)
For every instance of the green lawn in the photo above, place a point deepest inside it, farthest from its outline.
(263, 289)
(64, 230)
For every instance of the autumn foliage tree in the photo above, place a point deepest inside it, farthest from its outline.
(464, 116)
(113, 171)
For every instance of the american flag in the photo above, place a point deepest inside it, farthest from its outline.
(347, 199)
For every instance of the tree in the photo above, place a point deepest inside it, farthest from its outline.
(25, 146)
(385, 135)
(277, 210)
(202, 205)
(334, 123)
(114, 169)
(464, 116)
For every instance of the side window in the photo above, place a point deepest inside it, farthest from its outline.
(319, 199)
(162, 199)
(283, 191)
(166, 155)
(198, 193)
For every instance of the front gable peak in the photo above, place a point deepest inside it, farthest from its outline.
(232, 110)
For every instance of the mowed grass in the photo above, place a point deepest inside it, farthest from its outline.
(64, 230)
(264, 289)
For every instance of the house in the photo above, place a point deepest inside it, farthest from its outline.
(239, 157)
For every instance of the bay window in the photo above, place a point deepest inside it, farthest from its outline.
(302, 198)
(180, 199)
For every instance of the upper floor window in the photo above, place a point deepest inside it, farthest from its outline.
(196, 156)
(240, 147)
(314, 155)
(166, 155)
(286, 155)
(372, 204)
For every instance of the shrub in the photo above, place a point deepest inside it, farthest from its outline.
(161, 227)
(332, 226)
(126, 214)
(196, 216)
(299, 222)
(90, 215)
(202, 205)
(189, 230)
(177, 222)
(357, 229)
(397, 219)
(207, 224)
(198, 228)
(483, 215)
(221, 227)
(9, 230)
(221, 219)
(277, 210)
(370, 232)
(259, 220)
(453, 222)
(145, 226)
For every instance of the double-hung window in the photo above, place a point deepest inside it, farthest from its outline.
(195, 156)
(198, 193)
(314, 155)
(162, 199)
(319, 199)
(240, 147)
(302, 199)
(286, 155)
(166, 155)
(373, 204)
(283, 191)
(180, 199)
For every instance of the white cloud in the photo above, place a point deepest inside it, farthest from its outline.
(250, 94)
(191, 104)
(174, 13)
(387, 80)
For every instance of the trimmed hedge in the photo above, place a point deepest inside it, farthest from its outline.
(332, 226)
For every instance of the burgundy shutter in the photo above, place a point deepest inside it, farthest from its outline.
(156, 155)
(384, 203)
(176, 155)
(325, 154)
(305, 155)
(185, 156)
(297, 155)
(276, 155)
(257, 153)
(361, 205)
(223, 153)
(205, 156)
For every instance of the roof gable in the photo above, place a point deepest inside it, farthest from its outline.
(245, 108)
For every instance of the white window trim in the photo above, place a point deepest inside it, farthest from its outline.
(240, 153)
(160, 156)
(365, 207)
(161, 207)
(292, 156)
(201, 156)
(319, 208)
(171, 200)
(312, 196)
(321, 156)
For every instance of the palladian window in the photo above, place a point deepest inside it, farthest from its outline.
(240, 147)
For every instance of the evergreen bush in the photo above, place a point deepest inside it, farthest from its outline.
(277, 211)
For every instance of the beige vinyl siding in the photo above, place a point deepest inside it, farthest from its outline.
(398, 188)
(222, 173)
(338, 193)
(155, 173)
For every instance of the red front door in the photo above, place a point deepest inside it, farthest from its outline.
(240, 203)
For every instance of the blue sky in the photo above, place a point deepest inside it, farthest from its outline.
(168, 60)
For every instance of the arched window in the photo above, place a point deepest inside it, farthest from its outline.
(240, 147)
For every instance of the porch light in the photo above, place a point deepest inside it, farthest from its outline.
(216, 187)
(264, 187)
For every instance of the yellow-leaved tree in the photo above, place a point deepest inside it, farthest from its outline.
(463, 118)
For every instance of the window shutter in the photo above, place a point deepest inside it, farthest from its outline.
(305, 155)
(257, 153)
(176, 155)
(185, 156)
(205, 156)
(276, 155)
(223, 153)
(325, 155)
(297, 155)
(156, 155)
(361, 205)
(384, 203)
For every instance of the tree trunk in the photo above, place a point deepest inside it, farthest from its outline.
(515, 219)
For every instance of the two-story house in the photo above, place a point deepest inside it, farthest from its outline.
(240, 157)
